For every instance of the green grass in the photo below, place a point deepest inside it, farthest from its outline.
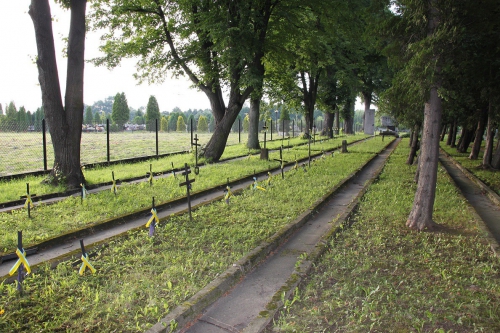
(379, 276)
(13, 189)
(488, 176)
(69, 214)
(140, 279)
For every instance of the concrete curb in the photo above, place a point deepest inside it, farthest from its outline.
(182, 315)
(489, 192)
(495, 246)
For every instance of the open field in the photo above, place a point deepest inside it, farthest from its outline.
(23, 152)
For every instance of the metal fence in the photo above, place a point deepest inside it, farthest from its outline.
(28, 149)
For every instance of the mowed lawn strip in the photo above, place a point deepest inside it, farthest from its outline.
(140, 279)
(379, 276)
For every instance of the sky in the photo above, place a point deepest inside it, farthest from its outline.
(19, 74)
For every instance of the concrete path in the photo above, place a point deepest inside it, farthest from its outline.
(241, 310)
(478, 197)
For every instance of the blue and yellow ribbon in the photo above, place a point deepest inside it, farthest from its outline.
(28, 202)
(154, 217)
(256, 186)
(22, 260)
(114, 188)
(86, 263)
(229, 194)
(84, 191)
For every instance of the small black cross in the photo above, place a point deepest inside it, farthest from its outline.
(187, 183)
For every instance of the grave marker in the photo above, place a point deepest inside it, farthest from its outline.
(114, 188)
(150, 174)
(195, 143)
(264, 153)
(85, 261)
(282, 163)
(29, 203)
(187, 183)
(21, 263)
(153, 220)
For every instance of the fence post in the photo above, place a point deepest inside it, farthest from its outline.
(107, 139)
(271, 129)
(44, 139)
(156, 124)
(191, 120)
(293, 128)
(239, 130)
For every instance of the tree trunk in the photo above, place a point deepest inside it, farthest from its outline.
(495, 160)
(490, 133)
(443, 132)
(253, 124)
(329, 118)
(337, 122)
(481, 124)
(349, 117)
(309, 92)
(465, 140)
(367, 96)
(454, 134)
(420, 217)
(65, 123)
(414, 145)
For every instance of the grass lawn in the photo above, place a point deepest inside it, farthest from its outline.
(379, 276)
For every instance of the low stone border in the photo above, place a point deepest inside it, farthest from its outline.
(489, 192)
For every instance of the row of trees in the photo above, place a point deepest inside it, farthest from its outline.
(20, 120)
(413, 57)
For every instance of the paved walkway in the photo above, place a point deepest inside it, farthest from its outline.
(478, 198)
(243, 309)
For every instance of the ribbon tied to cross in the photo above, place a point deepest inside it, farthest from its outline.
(86, 263)
(29, 201)
(154, 217)
(22, 260)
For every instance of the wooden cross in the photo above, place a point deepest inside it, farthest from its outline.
(187, 183)
(265, 132)
(195, 143)
(29, 203)
(150, 175)
(282, 162)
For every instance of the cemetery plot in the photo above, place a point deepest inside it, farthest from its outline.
(101, 174)
(139, 278)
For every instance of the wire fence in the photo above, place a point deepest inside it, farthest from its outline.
(29, 148)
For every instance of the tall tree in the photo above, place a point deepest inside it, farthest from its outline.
(207, 41)
(152, 113)
(202, 124)
(89, 117)
(121, 111)
(181, 124)
(64, 121)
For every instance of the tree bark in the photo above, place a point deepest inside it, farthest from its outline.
(443, 132)
(414, 145)
(451, 132)
(465, 140)
(454, 135)
(253, 124)
(329, 118)
(481, 124)
(65, 123)
(337, 122)
(310, 93)
(490, 133)
(420, 217)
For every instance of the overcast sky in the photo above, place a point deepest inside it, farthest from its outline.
(19, 75)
